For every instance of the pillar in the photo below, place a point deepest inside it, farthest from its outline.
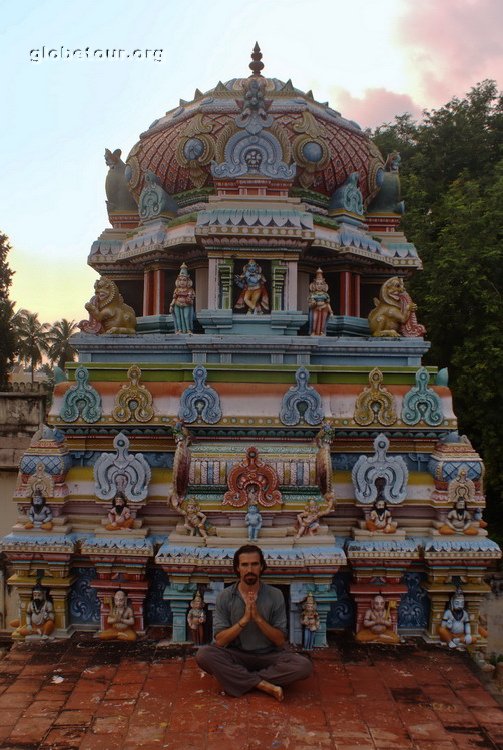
(345, 293)
(356, 295)
(148, 283)
(159, 285)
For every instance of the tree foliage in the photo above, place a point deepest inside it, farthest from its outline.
(32, 338)
(7, 337)
(59, 349)
(452, 181)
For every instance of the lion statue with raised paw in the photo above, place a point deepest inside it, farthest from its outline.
(108, 308)
(393, 314)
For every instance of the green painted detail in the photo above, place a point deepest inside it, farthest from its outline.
(324, 221)
(186, 219)
(311, 196)
(152, 372)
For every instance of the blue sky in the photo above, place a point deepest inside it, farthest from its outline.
(370, 60)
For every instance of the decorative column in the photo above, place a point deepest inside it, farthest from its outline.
(148, 282)
(179, 596)
(291, 285)
(225, 269)
(278, 284)
(345, 293)
(356, 295)
(159, 284)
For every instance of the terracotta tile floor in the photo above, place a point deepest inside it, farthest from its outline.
(94, 696)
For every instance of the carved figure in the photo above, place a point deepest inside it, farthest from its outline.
(254, 295)
(195, 519)
(377, 623)
(308, 519)
(459, 519)
(182, 304)
(120, 619)
(196, 617)
(39, 615)
(319, 305)
(119, 515)
(116, 185)
(110, 309)
(39, 514)
(455, 628)
(379, 518)
(310, 621)
(181, 464)
(253, 517)
(392, 310)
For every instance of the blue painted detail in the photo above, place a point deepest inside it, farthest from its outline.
(193, 149)
(301, 403)
(246, 154)
(348, 197)
(475, 544)
(344, 461)
(53, 464)
(83, 602)
(157, 610)
(43, 539)
(154, 460)
(121, 543)
(442, 377)
(327, 552)
(448, 470)
(382, 545)
(421, 403)
(380, 466)
(200, 401)
(133, 469)
(81, 400)
(414, 607)
(312, 151)
(342, 612)
(154, 200)
(417, 461)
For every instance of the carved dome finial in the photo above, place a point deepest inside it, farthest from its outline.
(256, 65)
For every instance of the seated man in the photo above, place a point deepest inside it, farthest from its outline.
(250, 626)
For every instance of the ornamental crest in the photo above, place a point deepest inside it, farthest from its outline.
(391, 470)
(252, 481)
(40, 481)
(421, 402)
(196, 148)
(154, 200)
(81, 400)
(301, 403)
(200, 402)
(133, 402)
(375, 404)
(461, 488)
(122, 471)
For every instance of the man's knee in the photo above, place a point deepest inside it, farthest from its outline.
(303, 666)
(203, 657)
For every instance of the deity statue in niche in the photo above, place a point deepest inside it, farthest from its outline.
(195, 519)
(253, 517)
(182, 304)
(119, 516)
(459, 520)
(310, 621)
(380, 519)
(39, 514)
(455, 628)
(377, 624)
(39, 615)
(308, 521)
(319, 305)
(120, 620)
(196, 617)
(254, 295)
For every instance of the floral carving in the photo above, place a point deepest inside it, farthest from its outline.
(252, 472)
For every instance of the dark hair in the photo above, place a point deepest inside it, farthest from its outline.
(246, 549)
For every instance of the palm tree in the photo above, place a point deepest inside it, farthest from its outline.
(59, 348)
(31, 335)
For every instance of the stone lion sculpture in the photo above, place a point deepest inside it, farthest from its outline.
(394, 312)
(109, 309)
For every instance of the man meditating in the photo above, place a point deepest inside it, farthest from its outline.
(250, 626)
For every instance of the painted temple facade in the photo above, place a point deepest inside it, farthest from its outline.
(252, 369)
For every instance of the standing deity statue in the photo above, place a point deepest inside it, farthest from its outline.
(377, 623)
(196, 617)
(39, 514)
(39, 615)
(455, 628)
(120, 620)
(310, 621)
(254, 295)
(182, 304)
(319, 305)
(253, 517)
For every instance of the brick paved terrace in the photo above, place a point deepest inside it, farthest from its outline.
(95, 696)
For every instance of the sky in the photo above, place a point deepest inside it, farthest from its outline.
(371, 59)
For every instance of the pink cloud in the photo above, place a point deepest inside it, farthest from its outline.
(376, 107)
(452, 45)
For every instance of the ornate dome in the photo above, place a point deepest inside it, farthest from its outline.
(316, 148)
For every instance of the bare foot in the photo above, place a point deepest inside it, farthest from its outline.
(275, 690)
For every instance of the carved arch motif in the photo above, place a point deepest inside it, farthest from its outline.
(131, 474)
(375, 404)
(200, 401)
(301, 403)
(81, 400)
(134, 401)
(421, 402)
(392, 469)
(252, 471)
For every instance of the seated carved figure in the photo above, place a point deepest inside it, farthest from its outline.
(39, 615)
(377, 624)
(120, 620)
(119, 516)
(195, 519)
(109, 309)
(459, 520)
(39, 514)
(455, 628)
(380, 519)
(392, 310)
(308, 520)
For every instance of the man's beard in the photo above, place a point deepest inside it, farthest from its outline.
(250, 578)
